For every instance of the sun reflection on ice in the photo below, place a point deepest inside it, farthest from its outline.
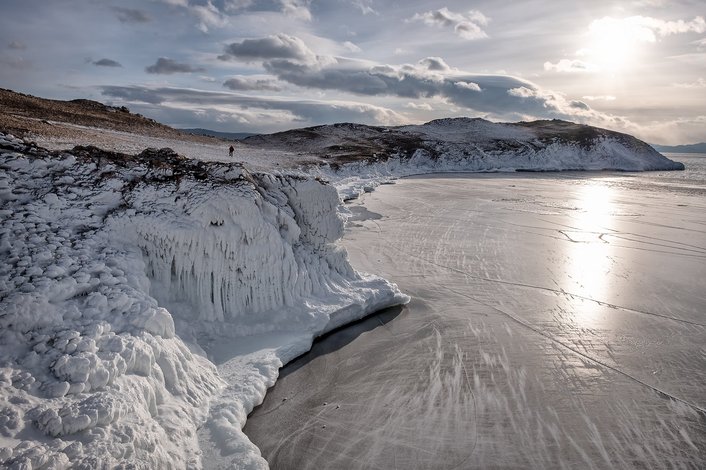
(588, 253)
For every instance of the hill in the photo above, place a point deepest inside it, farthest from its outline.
(687, 148)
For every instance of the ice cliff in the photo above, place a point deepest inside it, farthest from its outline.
(125, 280)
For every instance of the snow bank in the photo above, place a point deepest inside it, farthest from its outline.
(121, 283)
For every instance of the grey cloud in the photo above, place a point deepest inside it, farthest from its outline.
(303, 111)
(467, 26)
(17, 45)
(502, 95)
(280, 46)
(106, 63)
(169, 66)
(579, 105)
(131, 15)
(241, 83)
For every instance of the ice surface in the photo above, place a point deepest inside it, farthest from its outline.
(547, 310)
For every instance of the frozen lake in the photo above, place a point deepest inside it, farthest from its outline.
(558, 320)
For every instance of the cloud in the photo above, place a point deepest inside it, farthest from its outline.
(501, 96)
(207, 14)
(296, 9)
(468, 86)
(419, 106)
(566, 65)
(244, 83)
(237, 5)
(645, 28)
(579, 105)
(206, 105)
(700, 45)
(682, 130)
(599, 98)
(365, 7)
(131, 15)
(106, 63)
(468, 26)
(279, 46)
(699, 83)
(352, 47)
(17, 45)
(169, 66)
(435, 63)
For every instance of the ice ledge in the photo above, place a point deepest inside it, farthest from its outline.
(120, 274)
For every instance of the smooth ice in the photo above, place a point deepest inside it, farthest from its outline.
(557, 320)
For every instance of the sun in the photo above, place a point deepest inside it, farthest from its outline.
(613, 44)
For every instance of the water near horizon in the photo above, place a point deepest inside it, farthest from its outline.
(558, 320)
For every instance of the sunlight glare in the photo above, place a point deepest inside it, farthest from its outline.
(589, 254)
(613, 43)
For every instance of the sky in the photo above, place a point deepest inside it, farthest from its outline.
(270, 65)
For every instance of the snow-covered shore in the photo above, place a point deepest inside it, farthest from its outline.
(147, 304)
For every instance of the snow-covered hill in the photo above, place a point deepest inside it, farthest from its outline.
(474, 145)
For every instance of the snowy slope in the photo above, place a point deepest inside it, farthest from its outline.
(477, 145)
(123, 281)
(465, 144)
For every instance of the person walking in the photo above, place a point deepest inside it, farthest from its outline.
(230, 151)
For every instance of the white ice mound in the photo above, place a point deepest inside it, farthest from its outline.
(112, 270)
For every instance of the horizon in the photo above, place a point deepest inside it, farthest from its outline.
(263, 66)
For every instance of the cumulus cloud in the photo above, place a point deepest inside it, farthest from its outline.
(244, 83)
(199, 104)
(279, 46)
(468, 26)
(169, 66)
(566, 65)
(131, 15)
(106, 63)
(468, 86)
(501, 96)
(435, 63)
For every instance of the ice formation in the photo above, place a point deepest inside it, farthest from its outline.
(146, 304)
(120, 280)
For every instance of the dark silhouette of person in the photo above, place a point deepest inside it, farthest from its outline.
(230, 151)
